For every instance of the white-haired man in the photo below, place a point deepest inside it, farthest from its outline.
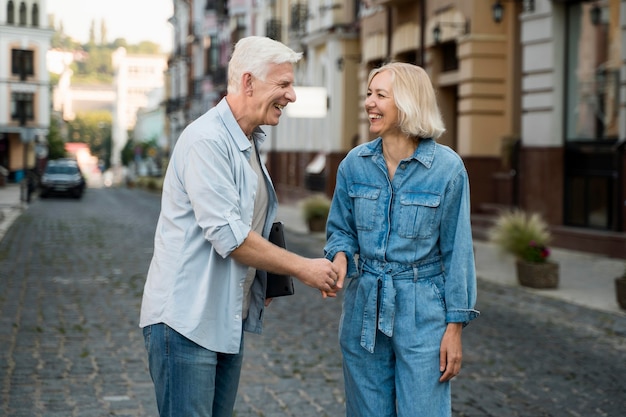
(218, 205)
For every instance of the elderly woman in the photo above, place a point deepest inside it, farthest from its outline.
(399, 227)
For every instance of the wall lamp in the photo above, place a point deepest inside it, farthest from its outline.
(497, 10)
(595, 14)
(457, 25)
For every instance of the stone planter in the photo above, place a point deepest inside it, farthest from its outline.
(317, 224)
(620, 291)
(538, 274)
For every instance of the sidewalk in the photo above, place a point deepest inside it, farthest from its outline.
(10, 206)
(585, 279)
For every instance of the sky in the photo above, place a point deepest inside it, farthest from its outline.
(134, 20)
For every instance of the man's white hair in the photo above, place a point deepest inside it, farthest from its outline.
(255, 54)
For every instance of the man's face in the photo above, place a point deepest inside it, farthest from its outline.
(273, 94)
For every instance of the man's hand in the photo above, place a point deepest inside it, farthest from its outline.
(322, 274)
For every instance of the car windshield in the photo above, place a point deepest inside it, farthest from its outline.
(61, 170)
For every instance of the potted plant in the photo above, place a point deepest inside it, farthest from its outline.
(620, 289)
(526, 237)
(315, 210)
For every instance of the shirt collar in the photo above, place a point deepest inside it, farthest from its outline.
(242, 141)
(425, 152)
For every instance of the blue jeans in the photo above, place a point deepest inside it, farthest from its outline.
(401, 376)
(189, 380)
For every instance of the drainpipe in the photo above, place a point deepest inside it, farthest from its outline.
(422, 42)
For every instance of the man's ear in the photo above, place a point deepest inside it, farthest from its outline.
(248, 83)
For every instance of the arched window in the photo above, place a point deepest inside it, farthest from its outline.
(34, 15)
(22, 14)
(10, 13)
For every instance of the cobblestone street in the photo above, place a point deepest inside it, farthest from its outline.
(71, 278)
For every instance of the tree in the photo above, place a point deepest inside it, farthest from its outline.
(56, 144)
(144, 47)
(92, 33)
(103, 32)
(93, 128)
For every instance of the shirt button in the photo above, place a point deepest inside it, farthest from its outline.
(402, 166)
(237, 316)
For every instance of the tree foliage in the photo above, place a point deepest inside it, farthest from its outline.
(56, 144)
(94, 129)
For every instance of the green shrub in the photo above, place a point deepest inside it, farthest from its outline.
(315, 206)
(525, 236)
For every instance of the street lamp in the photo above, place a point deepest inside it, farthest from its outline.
(457, 25)
(595, 14)
(497, 10)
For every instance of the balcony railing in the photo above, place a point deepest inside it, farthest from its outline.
(299, 15)
(273, 29)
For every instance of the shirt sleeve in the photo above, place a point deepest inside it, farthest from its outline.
(457, 251)
(341, 233)
(211, 177)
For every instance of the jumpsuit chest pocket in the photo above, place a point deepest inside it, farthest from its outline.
(366, 206)
(417, 216)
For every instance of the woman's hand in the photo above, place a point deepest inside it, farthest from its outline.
(450, 352)
(340, 261)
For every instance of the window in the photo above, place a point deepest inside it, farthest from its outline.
(212, 55)
(273, 29)
(22, 107)
(449, 60)
(35, 15)
(11, 13)
(22, 63)
(299, 16)
(592, 77)
(22, 14)
(592, 165)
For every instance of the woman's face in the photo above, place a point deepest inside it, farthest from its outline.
(380, 107)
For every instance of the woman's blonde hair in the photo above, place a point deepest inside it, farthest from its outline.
(255, 54)
(414, 96)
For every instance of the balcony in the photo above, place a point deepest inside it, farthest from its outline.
(389, 2)
(273, 28)
(220, 7)
(299, 15)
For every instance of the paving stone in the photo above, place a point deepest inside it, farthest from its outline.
(72, 275)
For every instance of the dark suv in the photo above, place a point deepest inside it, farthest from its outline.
(62, 176)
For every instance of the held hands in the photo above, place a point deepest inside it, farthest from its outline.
(322, 274)
(341, 264)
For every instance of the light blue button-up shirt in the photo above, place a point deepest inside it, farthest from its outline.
(418, 221)
(193, 285)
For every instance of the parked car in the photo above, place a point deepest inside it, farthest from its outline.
(62, 176)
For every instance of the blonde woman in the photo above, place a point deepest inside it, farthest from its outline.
(399, 227)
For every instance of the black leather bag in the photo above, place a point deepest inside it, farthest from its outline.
(278, 285)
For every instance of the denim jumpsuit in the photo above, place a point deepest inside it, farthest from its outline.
(411, 260)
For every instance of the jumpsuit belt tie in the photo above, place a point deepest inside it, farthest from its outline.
(378, 297)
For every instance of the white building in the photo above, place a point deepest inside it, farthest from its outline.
(24, 84)
(136, 75)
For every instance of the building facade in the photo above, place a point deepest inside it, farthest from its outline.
(532, 94)
(136, 77)
(24, 85)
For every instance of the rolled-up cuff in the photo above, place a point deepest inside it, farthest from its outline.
(461, 316)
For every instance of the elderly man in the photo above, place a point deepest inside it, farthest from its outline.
(218, 205)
